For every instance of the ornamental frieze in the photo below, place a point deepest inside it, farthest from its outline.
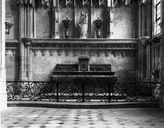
(115, 47)
(12, 47)
(76, 3)
(74, 52)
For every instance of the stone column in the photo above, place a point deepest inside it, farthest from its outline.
(27, 62)
(109, 24)
(148, 61)
(143, 41)
(27, 31)
(3, 94)
(149, 18)
(143, 19)
(140, 21)
(162, 61)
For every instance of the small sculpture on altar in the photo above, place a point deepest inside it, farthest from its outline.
(98, 24)
(67, 22)
(83, 25)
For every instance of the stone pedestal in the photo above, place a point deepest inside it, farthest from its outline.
(3, 94)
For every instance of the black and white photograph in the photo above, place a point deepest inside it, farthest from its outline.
(81, 64)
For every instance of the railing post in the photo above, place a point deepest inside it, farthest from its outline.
(57, 92)
(83, 92)
(109, 87)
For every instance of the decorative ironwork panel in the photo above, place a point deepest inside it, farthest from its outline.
(79, 91)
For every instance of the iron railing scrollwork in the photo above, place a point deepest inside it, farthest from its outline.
(82, 92)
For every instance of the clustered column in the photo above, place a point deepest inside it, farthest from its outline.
(144, 33)
(27, 31)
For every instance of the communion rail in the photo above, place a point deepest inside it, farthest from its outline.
(78, 92)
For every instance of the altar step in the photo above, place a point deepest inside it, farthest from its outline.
(83, 105)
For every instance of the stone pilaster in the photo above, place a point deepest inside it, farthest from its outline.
(109, 22)
(3, 94)
(149, 18)
(143, 19)
(148, 63)
(141, 58)
(140, 21)
(26, 68)
(162, 59)
(27, 31)
(54, 22)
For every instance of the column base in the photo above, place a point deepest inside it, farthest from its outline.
(23, 76)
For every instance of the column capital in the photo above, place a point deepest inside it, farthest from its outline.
(144, 39)
(27, 41)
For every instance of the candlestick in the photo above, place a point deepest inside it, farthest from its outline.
(110, 3)
(54, 3)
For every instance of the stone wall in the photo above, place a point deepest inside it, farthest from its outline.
(121, 54)
(43, 66)
(11, 66)
(124, 22)
(12, 15)
(12, 60)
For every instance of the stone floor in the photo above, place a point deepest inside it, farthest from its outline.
(30, 117)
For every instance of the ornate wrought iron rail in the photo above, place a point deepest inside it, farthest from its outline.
(80, 92)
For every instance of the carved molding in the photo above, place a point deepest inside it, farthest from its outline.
(79, 52)
(90, 47)
(86, 43)
(74, 47)
(12, 46)
(26, 41)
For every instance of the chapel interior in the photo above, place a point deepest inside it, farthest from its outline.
(122, 39)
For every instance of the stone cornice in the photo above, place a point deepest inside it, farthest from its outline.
(12, 47)
(90, 47)
(12, 43)
(86, 43)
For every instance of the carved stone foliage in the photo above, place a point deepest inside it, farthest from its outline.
(12, 48)
(75, 3)
(91, 48)
(78, 52)
(41, 90)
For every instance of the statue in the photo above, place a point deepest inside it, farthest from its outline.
(83, 25)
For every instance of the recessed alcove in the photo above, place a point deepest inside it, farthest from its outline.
(44, 40)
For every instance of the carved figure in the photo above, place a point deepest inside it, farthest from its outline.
(83, 25)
